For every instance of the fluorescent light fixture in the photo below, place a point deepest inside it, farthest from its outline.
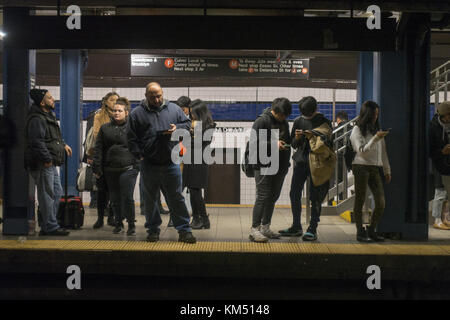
(2, 34)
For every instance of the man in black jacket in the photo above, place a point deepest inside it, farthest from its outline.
(151, 125)
(269, 184)
(300, 135)
(44, 151)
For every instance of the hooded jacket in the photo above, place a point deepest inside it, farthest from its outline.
(267, 121)
(438, 139)
(145, 131)
(43, 138)
(111, 149)
(322, 159)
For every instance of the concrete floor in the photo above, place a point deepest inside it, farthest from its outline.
(229, 224)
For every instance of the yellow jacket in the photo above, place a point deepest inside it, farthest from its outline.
(322, 159)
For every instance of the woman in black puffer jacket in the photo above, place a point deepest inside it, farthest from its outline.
(114, 160)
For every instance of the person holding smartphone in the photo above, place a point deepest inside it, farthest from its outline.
(268, 187)
(301, 134)
(368, 142)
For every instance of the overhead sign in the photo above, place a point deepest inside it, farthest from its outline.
(154, 66)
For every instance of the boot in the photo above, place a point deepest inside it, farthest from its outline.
(99, 223)
(373, 235)
(361, 235)
(197, 222)
(205, 221)
(111, 221)
(131, 229)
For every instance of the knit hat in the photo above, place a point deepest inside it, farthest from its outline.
(37, 95)
(444, 108)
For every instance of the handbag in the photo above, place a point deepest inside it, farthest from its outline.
(86, 179)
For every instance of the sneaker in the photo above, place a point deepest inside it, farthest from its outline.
(153, 237)
(291, 232)
(265, 230)
(186, 237)
(310, 235)
(257, 236)
(131, 230)
(196, 223)
(440, 226)
(57, 232)
(118, 228)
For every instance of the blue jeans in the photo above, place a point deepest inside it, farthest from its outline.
(316, 196)
(49, 192)
(169, 177)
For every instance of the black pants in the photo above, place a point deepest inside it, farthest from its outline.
(268, 189)
(121, 188)
(316, 196)
(102, 196)
(197, 202)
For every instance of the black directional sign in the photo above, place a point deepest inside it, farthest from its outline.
(149, 65)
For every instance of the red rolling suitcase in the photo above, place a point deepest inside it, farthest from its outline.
(71, 211)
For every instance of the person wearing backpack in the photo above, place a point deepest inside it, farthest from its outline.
(301, 135)
(368, 142)
(44, 151)
(268, 187)
(440, 154)
(102, 117)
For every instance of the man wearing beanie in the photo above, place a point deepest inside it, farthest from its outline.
(44, 151)
(301, 133)
(440, 156)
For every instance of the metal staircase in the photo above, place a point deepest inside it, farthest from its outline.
(439, 86)
(440, 78)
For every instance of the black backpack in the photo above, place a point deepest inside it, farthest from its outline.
(247, 168)
(349, 154)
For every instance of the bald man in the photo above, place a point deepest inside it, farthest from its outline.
(151, 125)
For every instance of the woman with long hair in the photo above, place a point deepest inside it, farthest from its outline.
(195, 176)
(368, 142)
(116, 164)
(102, 116)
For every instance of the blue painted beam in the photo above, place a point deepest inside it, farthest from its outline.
(364, 88)
(71, 102)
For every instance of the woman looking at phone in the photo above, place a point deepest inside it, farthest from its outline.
(368, 142)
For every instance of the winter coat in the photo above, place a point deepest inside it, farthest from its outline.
(322, 159)
(146, 127)
(43, 138)
(196, 175)
(438, 139)
(111, 149)
(301, 145)
(267, 121)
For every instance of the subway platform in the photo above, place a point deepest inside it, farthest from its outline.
(223, 264)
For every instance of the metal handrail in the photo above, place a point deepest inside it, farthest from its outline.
(440, 67)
